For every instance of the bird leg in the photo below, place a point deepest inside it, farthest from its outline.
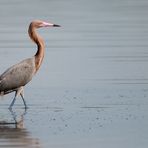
(22, 96)
(19, 91)
(12, 103)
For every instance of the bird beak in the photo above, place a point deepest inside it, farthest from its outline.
(55, 25)
(45, 24)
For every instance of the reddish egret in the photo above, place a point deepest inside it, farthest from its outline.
(16, 77)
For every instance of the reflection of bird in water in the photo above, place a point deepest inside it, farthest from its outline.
(17, 138)
(17, 117)
(17, 76)
(19, 123)
(15, 135)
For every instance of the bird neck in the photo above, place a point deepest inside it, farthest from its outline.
(40, 47)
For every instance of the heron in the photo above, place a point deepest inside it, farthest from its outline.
(17, 76)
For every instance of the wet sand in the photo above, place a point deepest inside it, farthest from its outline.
(92, 89)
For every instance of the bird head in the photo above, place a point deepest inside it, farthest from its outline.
(39, 24)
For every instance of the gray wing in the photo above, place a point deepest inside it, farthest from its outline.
(17, 75)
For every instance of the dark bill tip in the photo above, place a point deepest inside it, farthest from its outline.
(55, 25)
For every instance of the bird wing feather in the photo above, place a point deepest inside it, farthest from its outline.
(17, 75)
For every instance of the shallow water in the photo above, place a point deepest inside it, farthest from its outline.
(92, 88)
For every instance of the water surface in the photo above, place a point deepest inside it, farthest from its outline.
(92, 88)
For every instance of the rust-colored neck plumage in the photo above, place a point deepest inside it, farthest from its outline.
(40, 45)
